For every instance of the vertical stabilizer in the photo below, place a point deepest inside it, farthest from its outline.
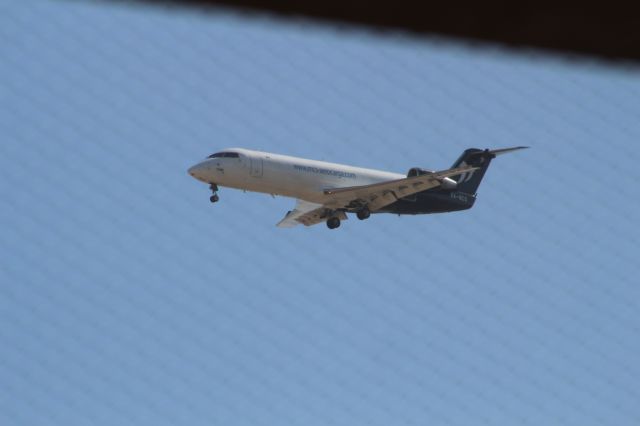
(470, 181)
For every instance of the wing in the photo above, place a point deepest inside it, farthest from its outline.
(308, 214)
(378, 195)
(374, 196)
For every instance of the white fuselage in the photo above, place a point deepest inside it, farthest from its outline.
(284, 175)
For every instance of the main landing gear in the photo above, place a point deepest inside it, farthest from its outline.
(333, 222)
(363, 214)
(214, 189)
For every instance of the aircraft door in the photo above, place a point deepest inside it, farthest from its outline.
(256, 167)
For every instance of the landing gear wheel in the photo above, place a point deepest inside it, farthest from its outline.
(363, 214)
(333, 223)
(214, 188)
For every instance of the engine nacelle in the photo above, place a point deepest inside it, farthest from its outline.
(445, 183)
(448, 183)
(416, 171)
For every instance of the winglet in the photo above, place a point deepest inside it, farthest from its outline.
(284, 223)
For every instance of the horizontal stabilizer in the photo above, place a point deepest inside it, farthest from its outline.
(497, 152)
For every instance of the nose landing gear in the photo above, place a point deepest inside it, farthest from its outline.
(214, 189)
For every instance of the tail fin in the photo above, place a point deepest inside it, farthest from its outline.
(470, 181)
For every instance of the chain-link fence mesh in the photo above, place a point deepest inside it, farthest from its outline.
(127, 298)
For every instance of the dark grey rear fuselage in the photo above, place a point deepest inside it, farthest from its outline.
(431, 201)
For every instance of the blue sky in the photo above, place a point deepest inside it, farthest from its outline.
(127, 298)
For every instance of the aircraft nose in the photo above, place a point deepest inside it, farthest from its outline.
(197, 171)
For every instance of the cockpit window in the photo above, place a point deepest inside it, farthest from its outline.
(224, 155)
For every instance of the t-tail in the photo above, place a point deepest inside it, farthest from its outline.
(469, 182)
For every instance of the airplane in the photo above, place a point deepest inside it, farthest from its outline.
(326, 192)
